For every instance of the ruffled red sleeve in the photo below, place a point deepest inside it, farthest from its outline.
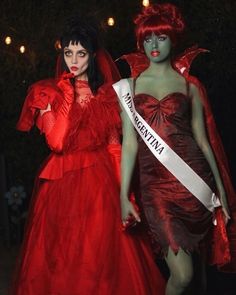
(39, 95)
(110, 107)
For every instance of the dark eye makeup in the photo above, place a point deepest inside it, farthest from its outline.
(69, 53)
(149, 39)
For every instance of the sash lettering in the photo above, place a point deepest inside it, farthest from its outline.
(176, 165)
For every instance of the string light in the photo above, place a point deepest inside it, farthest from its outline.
(146, 3)
(8, 40)
(110, 21)
(57, 45)
(22, 49)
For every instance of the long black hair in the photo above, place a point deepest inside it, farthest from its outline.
(83, 31)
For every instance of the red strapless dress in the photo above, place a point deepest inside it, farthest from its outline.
(74, 244)
(176, 218)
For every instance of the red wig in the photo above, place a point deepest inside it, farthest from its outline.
(159, 19)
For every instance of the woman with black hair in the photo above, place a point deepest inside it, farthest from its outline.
(74, 244)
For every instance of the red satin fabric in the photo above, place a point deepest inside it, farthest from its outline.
(74, 243)
(219, 250)
(37, 99)
(176, 218)
(226, 252)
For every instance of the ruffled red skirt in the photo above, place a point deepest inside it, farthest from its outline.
(74, 244)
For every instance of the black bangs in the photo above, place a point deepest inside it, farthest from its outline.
(83, 31)
(78, 38)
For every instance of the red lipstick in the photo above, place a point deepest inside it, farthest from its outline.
(155, 53)
(74, 69)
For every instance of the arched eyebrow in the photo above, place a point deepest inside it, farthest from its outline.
(82, 50)
(79, 51)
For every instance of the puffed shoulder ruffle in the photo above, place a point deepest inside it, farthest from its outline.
(39, 96)
(107, 97)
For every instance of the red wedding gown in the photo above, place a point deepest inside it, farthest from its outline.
(74, 244)
(176, 218)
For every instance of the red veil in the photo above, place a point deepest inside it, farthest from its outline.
(106, 66)
(223, 250)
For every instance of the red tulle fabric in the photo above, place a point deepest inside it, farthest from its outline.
(219, 251)
(107, 66)
(222, 163)
(39, 96)
(74, 243)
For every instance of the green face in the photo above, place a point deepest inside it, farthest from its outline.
(157, 48)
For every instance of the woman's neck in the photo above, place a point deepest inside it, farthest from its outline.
(160, 68)
(83, 77)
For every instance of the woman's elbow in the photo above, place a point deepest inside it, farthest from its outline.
(203, 144)
(130, 147)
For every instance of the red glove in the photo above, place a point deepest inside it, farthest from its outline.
(68, 93)
(55, 124)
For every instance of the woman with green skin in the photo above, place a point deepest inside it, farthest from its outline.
(173, 108)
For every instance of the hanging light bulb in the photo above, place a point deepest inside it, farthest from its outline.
(146, 3)
(8, 40)
(22, 49)
(57, 45)
(110, 21)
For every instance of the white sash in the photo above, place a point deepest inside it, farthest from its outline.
(192, 181)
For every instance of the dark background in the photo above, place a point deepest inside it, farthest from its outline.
(37, 25)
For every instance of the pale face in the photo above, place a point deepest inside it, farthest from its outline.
(157, 48)
(76, 58)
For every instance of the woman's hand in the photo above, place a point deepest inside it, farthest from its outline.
(224, 205)
(66, 87)
(129, 212)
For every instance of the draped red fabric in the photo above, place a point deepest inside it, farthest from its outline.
(221, 243)
(37, 99)
(107, 66)
(223, 166)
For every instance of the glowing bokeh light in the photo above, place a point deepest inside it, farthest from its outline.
(110, 21)
(22, 49)
(57, 45)
(8, 40)
(146, 3)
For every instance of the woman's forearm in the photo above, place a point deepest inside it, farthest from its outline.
(128, 159)
(208, 153)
